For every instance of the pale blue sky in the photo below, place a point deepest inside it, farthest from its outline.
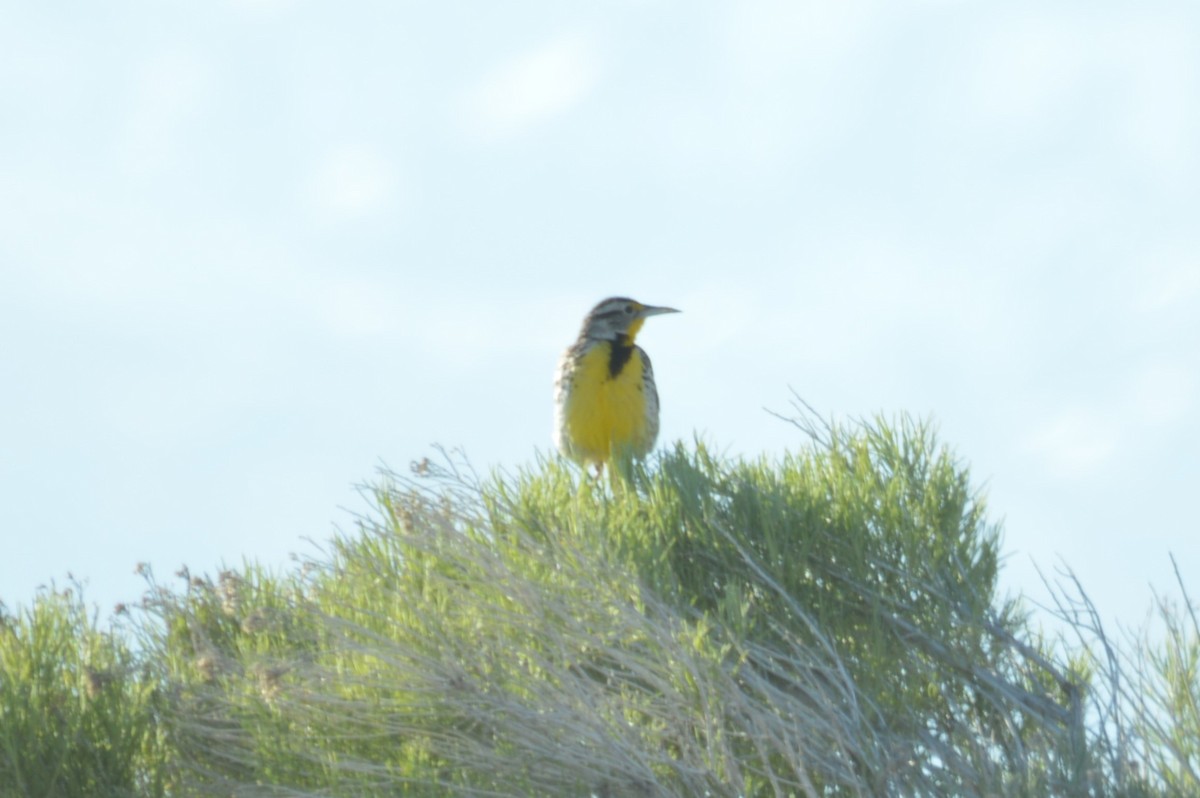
(249, 250)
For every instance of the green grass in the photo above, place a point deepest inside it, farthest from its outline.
(823, 624)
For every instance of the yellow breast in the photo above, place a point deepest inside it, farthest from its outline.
(603, 415)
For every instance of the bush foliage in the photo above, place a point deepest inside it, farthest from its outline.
(824, 624)
(76, 710)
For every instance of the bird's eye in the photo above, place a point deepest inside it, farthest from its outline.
(629, 310)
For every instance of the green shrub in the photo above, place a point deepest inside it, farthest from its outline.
(822, 625)
(819, 625)
(76, 712)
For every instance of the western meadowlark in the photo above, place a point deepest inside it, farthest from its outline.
(605, 402)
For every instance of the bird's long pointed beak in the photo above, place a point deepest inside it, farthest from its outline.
(652, 310)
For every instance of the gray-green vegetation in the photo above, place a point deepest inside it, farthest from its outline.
(824, 624)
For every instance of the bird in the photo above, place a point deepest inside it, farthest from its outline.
(605, 400)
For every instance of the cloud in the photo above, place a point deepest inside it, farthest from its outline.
(533, 87)
(1169, 277)
(167, 104)
(1075, 443)
(766, 39)
(350, 182)
(1079, 441)
(355, 307)
(1159, 63)
(1122, 72)
(1029, 65)
(1163, 393)
(260, 8)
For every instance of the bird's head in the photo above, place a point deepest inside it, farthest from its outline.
(619, 319)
